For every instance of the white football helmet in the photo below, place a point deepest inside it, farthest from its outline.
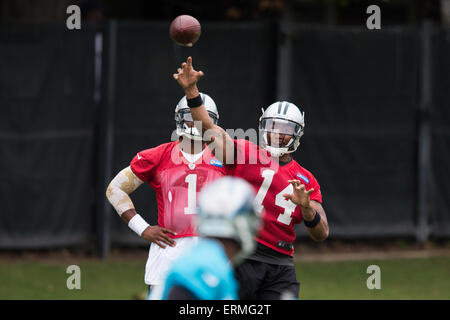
(184, 121)
(227, 210)
(283, 118)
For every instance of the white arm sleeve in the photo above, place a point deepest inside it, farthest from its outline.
(124, 183)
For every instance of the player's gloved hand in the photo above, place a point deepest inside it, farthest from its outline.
(159, 236)
(187, 77)
(300, 196)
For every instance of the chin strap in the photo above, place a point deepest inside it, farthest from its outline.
(189, 132)
(276, 152)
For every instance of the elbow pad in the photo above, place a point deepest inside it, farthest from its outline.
(123, 184)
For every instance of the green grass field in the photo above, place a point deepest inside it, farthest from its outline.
(400, 279)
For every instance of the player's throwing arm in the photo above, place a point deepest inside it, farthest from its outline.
(187, 77)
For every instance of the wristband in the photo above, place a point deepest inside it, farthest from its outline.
(314, 222)
(138, 224)
(195, 102)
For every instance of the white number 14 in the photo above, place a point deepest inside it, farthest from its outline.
(289, 207)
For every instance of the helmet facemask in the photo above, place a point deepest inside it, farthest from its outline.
(185, 124)
(245, 227)
(271, 129)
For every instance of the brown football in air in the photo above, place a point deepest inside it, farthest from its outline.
(185, 30)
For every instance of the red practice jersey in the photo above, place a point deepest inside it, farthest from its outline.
(270, 182)
(177, 183)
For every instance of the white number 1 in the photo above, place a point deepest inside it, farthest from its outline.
(191, 180)
(287, 205)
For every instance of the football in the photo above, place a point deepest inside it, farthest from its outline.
(185, 30)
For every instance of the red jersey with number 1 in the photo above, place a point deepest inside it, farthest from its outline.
(270, 182)
(177, 183)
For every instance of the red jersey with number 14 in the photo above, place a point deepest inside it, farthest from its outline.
(270, 182)
(177, 183)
